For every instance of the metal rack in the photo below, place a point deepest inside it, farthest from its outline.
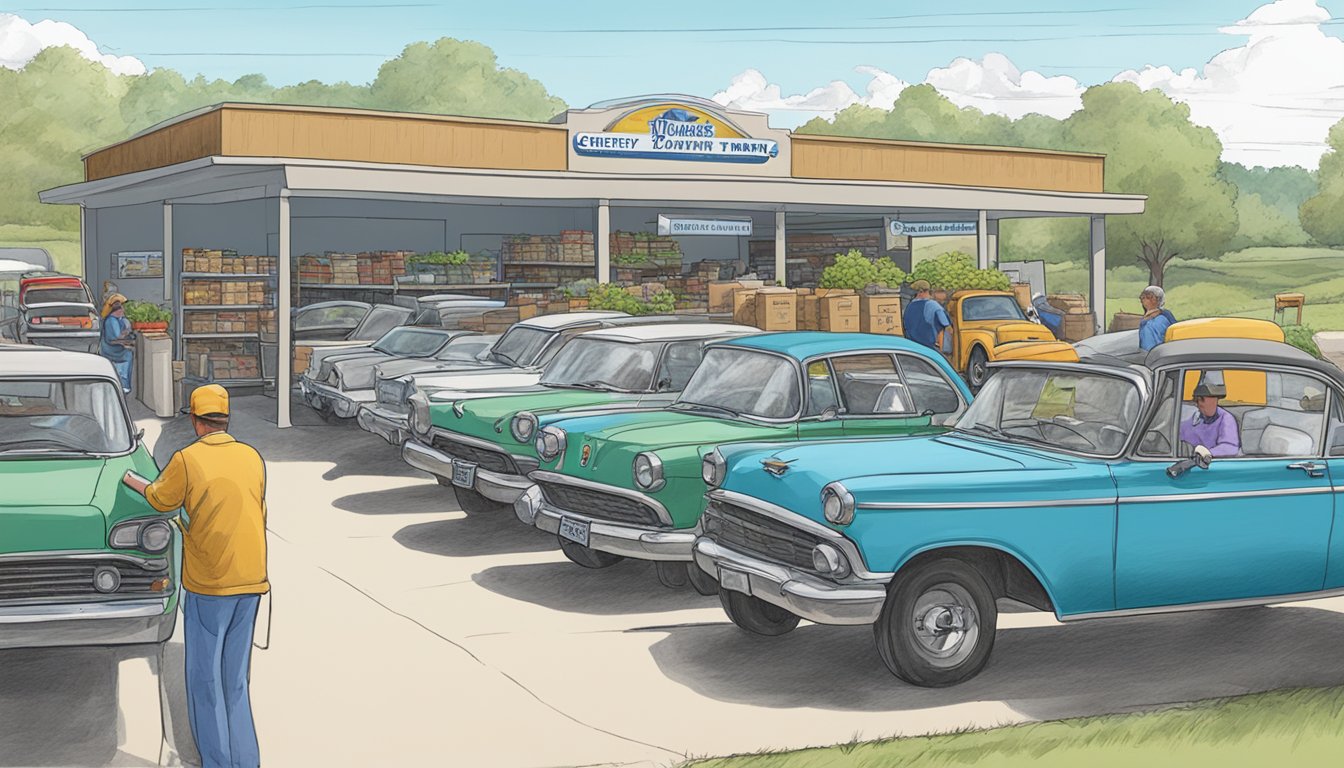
(254, 337)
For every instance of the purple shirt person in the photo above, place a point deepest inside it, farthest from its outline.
(1212, 427)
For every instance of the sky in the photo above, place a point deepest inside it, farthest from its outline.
(1268, 77)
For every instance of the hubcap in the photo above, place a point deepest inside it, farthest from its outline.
(945, 625)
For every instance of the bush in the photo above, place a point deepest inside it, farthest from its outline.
(614, 298)
(455, 258)
(579, 288)
(855, 271)
(145, 312)
(1300, 336)
(955, 271)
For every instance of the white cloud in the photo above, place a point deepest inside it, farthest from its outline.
(20, 41)
(751, 90)
(995, 85)
(1272, 100)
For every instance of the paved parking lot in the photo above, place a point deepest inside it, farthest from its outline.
(405, 632)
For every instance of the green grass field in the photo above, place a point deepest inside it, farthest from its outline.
(1297, 727)
(63, 246)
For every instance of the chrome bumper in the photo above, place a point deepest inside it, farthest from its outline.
(339, 403)
(394, 431)
(605, 535)
(805, 595)
(495, 486)
(121, 622)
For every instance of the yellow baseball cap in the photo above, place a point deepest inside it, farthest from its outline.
(209, 400)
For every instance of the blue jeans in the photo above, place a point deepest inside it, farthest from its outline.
(218, 642)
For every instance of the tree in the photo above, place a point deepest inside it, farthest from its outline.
(456, 77)
(1152, 148)
(920, 113)
(1322, 215)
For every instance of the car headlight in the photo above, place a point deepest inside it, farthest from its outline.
(828, 559)
(419, 416)
(148, 534)
(523, 426)
(713, 468)
(550, 443)
(648, 471)
(837, 504)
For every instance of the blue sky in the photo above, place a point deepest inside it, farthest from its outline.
(1272, 98)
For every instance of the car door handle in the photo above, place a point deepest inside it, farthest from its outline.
(1310, 467)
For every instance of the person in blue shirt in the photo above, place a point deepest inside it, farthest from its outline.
(116, 340)
(1156, 319)
(925, 319)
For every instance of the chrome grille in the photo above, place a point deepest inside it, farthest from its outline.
(599, 504)
(753, 533)
(391, 392)
(490, 461)
(71, 578)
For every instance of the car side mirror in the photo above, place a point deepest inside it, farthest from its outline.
(139, 435)
(1202, 458)
(664, 385)
(829, 413)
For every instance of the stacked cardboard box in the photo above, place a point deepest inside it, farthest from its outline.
(641, 250)
(571, 246)
(828, 309)
(881, 313)
(222, 360)
(225, 262)
(807, 254)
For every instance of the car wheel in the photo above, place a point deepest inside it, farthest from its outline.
(671, 575)
(587, 556)
(977, 369)
(472, 502)
(755, 615)
(701, 581)
(937, 625)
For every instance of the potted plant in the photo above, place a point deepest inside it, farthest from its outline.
(577, 293)
(145, 316)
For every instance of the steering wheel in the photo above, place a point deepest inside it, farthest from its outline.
(1040, 428)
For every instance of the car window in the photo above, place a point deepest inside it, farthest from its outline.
(1335, 436)
(564, 337)
(327, 317)
(1158, 441)
(64, 294)
(411, 342)
(1252, 413)
(929, 389)
(820, 389)
(54, 416)
(379, 321)
(604, 364)
(871, 385)
(743, 381)
(1075, 409)
(991, 308)
(679, 363)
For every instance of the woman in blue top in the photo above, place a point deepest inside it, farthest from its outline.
(116, 340)
(1156, 319)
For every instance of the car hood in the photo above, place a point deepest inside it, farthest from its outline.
(321, 366)
(941, 470)
(66, 504)
(444, 388)
(392, 369)
(616, 438)
(358, 372)
(489, 417)
(1017, 330)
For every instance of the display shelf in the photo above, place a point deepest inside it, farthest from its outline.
(239, 382)
(575, 264)
(226, 335)
(227, 276)
(399, 286)
(217, 307)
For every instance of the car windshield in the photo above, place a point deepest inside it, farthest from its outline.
(991, 308)
(744, 382)
(1090, 413)
(604, 364)
(378, 322)
(521, 345)
(63, 294)
(411, 342)
(340, 316)
(49, 416)
(465, 349)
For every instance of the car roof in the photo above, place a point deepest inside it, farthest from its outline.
(31, 361)
(566, 319)
(1251, 352)
(670, 331)
(802, 345)
(336, 303)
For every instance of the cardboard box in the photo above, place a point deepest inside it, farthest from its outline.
(744, 306)
(809, 312)
(776, 309)
(721, 295)
(1079, 326)
(1068, 302)
(881, 313)
(1124, 321)
(839, 312)
(1022, 291)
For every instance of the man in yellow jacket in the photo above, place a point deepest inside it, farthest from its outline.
(220, 484)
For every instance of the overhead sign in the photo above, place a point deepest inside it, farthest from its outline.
(670, 226)
(929, 228)
(675, 132)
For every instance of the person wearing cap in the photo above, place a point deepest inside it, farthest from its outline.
(220, 484)
(115, 343)
(1156, 318)
(925, 319)
(1212, 426)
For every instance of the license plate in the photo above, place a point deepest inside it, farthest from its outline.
(737, 581)
(574, 530)
(464, 474)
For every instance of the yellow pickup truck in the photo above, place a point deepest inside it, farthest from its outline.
(989, 326)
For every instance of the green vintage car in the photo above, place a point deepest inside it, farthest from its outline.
(631, 485)
(483, 447)
(84, 560)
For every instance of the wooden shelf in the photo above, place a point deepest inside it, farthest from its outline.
(575, 264)
(226, 335)
(227, 275)
(216, 307)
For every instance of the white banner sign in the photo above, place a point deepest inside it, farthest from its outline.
(929, 228)
(737, 227)
(682, 147)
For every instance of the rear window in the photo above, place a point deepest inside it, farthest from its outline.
(67, 294)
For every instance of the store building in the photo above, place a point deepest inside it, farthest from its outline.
(669, 188)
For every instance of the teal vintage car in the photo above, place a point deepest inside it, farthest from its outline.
(630, 485)
(484, 448)
(83, 559)
(1199, 479)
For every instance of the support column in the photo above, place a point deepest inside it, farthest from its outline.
(1096, 298)
(982, 240)
(992, 241)
(603, 241)
(168, 257)
(781, 249)
(284, 357)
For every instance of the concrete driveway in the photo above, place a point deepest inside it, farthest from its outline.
(405, 632)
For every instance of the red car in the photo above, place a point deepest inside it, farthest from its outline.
(57, 311)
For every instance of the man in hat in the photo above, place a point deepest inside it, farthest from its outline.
(925, 319)
(220, 484)
(1212, 426)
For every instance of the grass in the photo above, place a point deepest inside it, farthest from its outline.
(1302, 727)
(62, 245)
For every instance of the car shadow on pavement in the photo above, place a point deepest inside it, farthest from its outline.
(474, 535)
(1048, 672)
(58, 706)
(417, 499)
(173, 685)
(625, 588)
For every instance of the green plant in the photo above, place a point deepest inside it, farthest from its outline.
(612, 297)
(1300, 336)
(455, 258)
(145, 312)
(856, 271)
(578, 288)
(955, 271)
